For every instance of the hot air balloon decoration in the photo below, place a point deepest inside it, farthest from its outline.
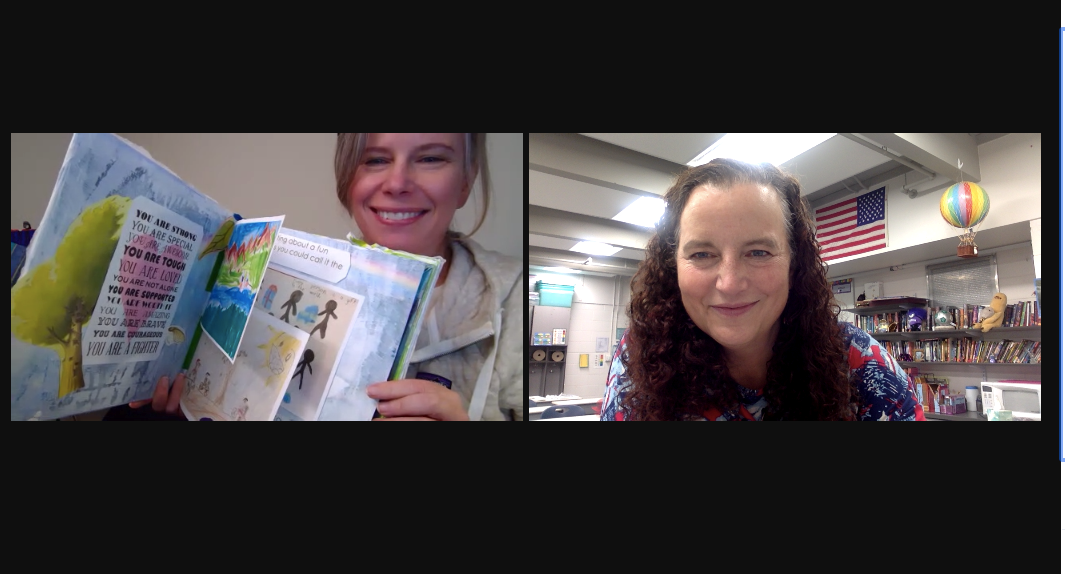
(964, 205)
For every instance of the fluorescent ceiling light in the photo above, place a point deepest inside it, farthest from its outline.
(645, 212)
(594, 248)
(758, 148)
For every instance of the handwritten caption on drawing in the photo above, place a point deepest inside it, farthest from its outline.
(144, 281)
(317, 292)
(312, 258)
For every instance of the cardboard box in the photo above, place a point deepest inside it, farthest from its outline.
(924, 392)
(954, 404)
(928, 394)
(874, 290)
(944, 392)
(934, 393)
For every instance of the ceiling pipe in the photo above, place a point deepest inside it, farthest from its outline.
(945, 183)
(910, 191)
(884, 151)
(926, 262)
(578, 264)
(543, 270)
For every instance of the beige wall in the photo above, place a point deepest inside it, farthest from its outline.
(258, 175)
(35, 162)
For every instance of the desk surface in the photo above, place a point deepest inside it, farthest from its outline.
(579, 418)
(966, 416)
(550, 398)
(577, 402)
(534, 410)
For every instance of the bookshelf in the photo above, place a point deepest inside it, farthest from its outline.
(993, 334)
(966, 416)
(1009, 272)
(972, 341)
(1011, 346)
(873, 310)
(1008, 342)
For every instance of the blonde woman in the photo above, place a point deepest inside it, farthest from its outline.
(402, 191)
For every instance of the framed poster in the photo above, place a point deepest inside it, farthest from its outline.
(842, 286)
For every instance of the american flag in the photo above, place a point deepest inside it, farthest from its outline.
(853, 226)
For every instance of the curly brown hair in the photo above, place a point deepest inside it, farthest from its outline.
(676, 370)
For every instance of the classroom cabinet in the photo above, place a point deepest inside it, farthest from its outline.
(547, 357)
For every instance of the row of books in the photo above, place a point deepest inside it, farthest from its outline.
(967, 350)
(879, 322)
(1021, 314)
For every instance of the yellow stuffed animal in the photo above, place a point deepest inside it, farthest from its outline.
(991, 317)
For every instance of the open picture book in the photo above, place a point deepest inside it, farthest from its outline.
(133, 275)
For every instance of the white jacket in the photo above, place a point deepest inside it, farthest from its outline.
(473, 333)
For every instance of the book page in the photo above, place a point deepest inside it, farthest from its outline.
(108, 197)
(312, 258)
(392, 285)
(414, 324)
(430, 273)
(251, 387)
(132, 317)
(247, 254)
(327, 314)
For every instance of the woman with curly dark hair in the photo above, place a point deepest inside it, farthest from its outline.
(732, 315)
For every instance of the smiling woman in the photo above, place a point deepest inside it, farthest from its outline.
(373, 169)
(402, 191)
(733, 272)
(732, 315)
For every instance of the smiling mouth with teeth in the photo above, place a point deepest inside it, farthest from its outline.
(397, 215)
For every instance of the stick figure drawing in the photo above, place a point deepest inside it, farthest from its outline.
(308, 358)
(290, 305)
(330, 307)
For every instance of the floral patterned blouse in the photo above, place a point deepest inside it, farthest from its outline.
(887, 392)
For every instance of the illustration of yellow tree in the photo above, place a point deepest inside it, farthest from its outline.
(50, 305)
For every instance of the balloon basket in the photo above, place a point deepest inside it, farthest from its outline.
(966, 251)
